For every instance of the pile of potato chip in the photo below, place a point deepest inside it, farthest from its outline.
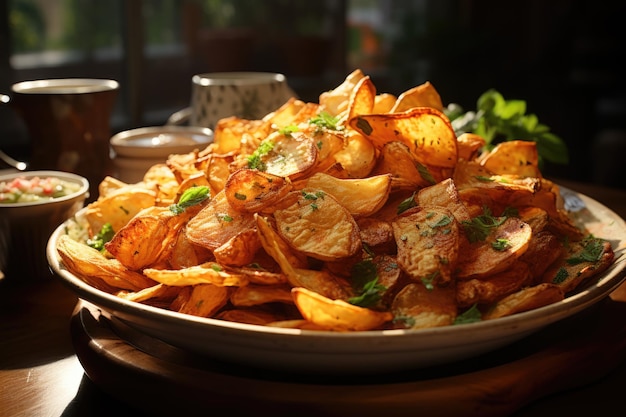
(364, 211)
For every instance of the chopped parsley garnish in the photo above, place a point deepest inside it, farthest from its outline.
(325, 120)
(105, 234)
(254, 160)
(471, 315)
(288, 130)
(593, 248)
(561, 276)
(478, 228)
(406, 204)
(191, 196)
(500, 244)
(313, 196)
(365, 281)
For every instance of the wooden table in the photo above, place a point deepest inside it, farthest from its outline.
(41, 376)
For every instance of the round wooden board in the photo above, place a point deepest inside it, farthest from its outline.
(161, 379)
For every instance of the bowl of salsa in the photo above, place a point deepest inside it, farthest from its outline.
(32, 205)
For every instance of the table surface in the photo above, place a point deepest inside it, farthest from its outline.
(40, 374)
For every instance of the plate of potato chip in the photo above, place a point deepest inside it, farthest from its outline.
(360, 234)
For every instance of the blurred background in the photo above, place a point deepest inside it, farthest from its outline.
(561, 56)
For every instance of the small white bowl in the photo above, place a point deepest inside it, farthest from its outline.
(160, 141)
(26, 227)
(136, 150)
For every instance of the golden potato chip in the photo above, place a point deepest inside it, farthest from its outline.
(239, 250)
(206, 273)
(406, 173)
(428, 243)
(417, 306)
(290, 156)
(504, 242)
(336, 100)
(97, 270)
(147, 238)
(383, 103)
(205, 300)
(426, 131)
(361, 197)
(358, 156)
(252, 295)
(490, 289)
(518, 157)
(117, 208)
(470, 145)
(217, 223)
(318, 226)
(578, 262)
(423, 95)
(250, 316)
(444, 194)
(362, 98)
(251, 190)
(526, 299)
(337, 314)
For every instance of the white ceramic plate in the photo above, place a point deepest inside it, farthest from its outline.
(160, 141)
(319, 352)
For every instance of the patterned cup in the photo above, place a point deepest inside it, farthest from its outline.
(217, 95)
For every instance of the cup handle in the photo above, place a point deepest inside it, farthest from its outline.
(180, 117)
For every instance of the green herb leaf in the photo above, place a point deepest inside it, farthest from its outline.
(191, 197)
(471, 315)
(105, 234)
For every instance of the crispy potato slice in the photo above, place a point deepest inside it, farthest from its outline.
(428, 243)
(251, 190)
(500, 249)
(286, 114)
(526, 299)
(375, 232)
(580, 261)
(470, 145)
(255, 275)
(336, 101)
(423, 95)
(518, 157)
(292, 156)
(337, 314)
(358, 155)
(97, 270)
(217, 171)
(383, 103)
(158, 294)
(426, 131)
(117, 208)
(293, 267)
(205, 300)
(318, 226)
(421, 307)
(239, 250)
(362, 98)
(184, 253)
(109, 185)
(147, 238)
(250, 316)
(444, 194)
(361, 196)
(217, 223)
(252, 295)
(490, 289)
(406, 173)
(229, 131)
(206, 273)
(543, 250)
